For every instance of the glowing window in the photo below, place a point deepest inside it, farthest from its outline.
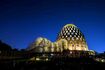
(70, 35)
(66, 36)
(77, 38)
(74, 35)
(72, 38)
(70, 30)
(62, 36)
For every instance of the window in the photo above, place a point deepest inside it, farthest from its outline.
(70, 35)
(66, 36)
(70, 30)
(73, 38)
(74, 35)
(77, 38)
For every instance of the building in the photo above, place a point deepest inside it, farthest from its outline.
(70, 40)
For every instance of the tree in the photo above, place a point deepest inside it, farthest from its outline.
(5, 47)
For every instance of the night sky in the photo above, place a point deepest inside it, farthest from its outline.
(22, 21)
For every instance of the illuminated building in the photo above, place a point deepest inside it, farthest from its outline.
(73, 38)
(70, 38)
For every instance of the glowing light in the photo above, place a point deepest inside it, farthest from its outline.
(46, 59)
(37, 59)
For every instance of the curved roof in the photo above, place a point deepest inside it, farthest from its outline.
(69, 25)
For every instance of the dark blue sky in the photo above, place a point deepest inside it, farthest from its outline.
(22, 21)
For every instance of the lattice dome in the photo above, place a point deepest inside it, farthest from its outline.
(75, 38)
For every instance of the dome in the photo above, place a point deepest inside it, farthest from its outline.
(75, 38)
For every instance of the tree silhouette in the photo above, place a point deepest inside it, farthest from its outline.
(4, 46)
